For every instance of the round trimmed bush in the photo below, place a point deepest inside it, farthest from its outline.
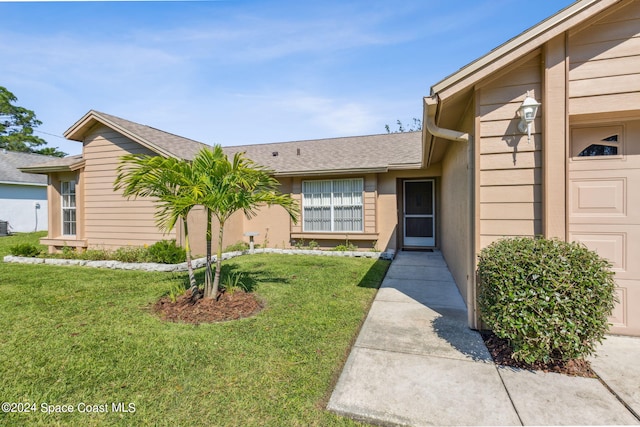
(167, 252)
(550, 299)
(25, 249)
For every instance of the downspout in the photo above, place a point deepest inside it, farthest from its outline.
(431, 109)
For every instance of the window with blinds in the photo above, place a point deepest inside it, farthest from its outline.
(332, 205)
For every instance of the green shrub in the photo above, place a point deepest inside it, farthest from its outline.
(347, 247)
(232, 282)
(25, 249)
(550, 299)
(130, 254)
(166, 252)
(237, 247)
(95, 255)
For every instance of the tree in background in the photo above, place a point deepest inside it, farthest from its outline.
(16, 128)
(416, 126)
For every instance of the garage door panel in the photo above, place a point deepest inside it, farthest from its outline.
(604, 197)
(612, 246)
(620, 244)
(597, 197)
(625, 318)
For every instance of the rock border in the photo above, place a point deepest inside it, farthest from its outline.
(197, 263)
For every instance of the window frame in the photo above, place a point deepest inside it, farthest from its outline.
(68, 189)
(579, 142)
(332, 205)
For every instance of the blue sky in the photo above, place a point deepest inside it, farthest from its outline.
(245, 72)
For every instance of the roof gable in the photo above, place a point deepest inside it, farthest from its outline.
(158, 141)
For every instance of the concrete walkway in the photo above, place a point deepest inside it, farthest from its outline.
(417, 363)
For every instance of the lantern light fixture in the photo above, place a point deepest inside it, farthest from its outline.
(527, 112)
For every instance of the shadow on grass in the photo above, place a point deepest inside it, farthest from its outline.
(232, 273)
(374, 276)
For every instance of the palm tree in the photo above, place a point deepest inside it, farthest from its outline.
(170, 182)
(229, 186)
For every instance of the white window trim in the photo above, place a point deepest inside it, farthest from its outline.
(63, 208)
(332, 206)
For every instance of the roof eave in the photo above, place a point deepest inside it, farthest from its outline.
(55, 168)
(31, 184)
(330, 172)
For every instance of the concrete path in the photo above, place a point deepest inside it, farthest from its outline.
(417, 363)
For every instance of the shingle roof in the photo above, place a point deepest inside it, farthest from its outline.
(356, 153)
(12, 161)
(162, 142)
(372, 153)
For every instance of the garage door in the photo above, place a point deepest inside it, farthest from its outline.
(604, 208)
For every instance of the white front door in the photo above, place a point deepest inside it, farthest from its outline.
(418, 213)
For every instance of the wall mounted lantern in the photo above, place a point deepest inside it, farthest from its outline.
(527, 113)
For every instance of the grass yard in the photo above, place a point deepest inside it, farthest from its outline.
(87, 338)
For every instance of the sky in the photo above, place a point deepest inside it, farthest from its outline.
(246, 71)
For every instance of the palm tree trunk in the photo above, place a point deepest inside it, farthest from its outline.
(187, 249)
(216, 278)
(208, 291)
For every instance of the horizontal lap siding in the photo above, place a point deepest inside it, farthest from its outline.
(604, 70)
(510, 166)
(111, 220)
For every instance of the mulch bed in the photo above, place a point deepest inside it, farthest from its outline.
(501, 354)
(228, 306)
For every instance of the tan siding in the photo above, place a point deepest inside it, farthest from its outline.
(492, 145)
(510, 210)
(513, 194)
(524, 159)
(604, 69)
(509, 227)
(111, 220)
(510, 166)
(510, 177)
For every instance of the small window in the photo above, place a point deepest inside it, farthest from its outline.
(68, 193)
(597, 142)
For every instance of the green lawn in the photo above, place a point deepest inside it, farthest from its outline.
(73, 335)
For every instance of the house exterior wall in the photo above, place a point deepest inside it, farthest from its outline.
(389, 205)
(381, 214)
(455, 212)
(55, 239)
(110, 220)
(272, 223)
(510, 175)
(604, 63)
(233, 231)
(19, 209)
